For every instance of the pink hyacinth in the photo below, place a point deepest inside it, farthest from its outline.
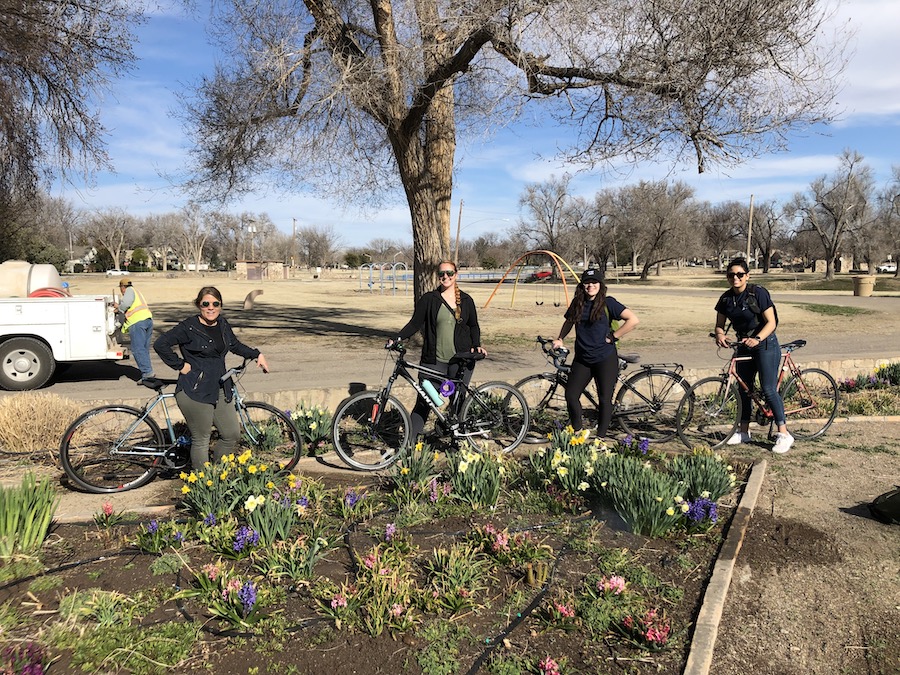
(338, 601)
(107, 509)
(614, 585)
(564, 610)
(397, 610)
(548, 666)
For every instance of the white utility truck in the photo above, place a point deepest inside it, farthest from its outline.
(41, 325)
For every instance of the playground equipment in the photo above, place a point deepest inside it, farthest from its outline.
(555, 261)
(383, 279)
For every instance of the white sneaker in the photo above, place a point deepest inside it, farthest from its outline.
(783, 443)
(738, 437)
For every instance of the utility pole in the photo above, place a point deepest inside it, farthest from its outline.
(458, 228)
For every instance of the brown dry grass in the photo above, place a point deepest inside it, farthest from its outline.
(28, 419)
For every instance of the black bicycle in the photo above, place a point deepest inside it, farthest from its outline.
(645, 405)
(115, 448)
(372, 428)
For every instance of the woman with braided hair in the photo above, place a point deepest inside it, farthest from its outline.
(449, 324)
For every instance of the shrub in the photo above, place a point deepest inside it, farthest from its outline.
(32, 422)
(26, 514)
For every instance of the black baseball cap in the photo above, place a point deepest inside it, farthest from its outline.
(591, 275)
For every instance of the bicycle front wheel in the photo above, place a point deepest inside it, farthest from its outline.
(368, 438)
(495, 417)
(647, 403)
(270, 435)
(811, 402)
(111, 449)
(709, 412)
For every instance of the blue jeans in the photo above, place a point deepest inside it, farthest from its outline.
(141, 333)
(765, 360)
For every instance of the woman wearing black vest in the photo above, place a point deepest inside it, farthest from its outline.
(752, 315)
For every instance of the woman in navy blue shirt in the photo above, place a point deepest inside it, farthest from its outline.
(752, 315)
(595, 347)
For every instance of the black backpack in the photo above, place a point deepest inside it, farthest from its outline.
(886, 507)
(753, 304)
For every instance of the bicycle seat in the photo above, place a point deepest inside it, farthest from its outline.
(791, 346)
(630, 358)
(466, 357)
(156, 383)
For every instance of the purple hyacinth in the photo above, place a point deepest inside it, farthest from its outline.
(390, 531)
(246, 536)
(303, 501)
(644, 445)
(210, 520)
(247, 596)
(153, 527)
(351, 499)
(701, 509)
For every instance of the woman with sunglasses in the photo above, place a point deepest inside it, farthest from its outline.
(596, 357)
(752, 315)
(449, 324)
(203, 341)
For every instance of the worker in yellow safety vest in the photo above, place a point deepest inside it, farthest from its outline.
(138, 324)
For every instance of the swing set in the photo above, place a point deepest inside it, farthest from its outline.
(556, 262)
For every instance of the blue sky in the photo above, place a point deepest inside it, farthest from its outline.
(146, 140)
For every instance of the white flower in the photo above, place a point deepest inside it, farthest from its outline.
(462, 467)
(582, 486)
(252, 502)
(705, 494)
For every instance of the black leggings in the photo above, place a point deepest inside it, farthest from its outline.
(604, 376)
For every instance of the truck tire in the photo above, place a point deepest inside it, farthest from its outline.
(25, 363)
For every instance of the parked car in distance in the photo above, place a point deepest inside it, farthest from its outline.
(116, 273)
(887, 268)
(540, 275)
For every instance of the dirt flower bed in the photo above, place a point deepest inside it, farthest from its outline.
(417, 572)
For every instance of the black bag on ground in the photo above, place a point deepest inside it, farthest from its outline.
(886, 507)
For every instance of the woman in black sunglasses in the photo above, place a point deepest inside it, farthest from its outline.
(449, 324)
(751, 312)
(203, 341)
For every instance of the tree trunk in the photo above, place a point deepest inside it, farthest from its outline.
(425, 162)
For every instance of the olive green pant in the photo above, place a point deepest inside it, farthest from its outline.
(200, 418)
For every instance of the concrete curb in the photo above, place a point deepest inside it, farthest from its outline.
(85, 518)
(707, 626)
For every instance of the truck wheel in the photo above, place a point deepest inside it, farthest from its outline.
(25, 363)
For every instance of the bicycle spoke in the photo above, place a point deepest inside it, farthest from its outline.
(647, 404)
(99, 451)
(368, 438)
(270, 436)
(810, 403)
(495, 417)
(708, 414)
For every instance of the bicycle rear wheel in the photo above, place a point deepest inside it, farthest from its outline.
(97, 451)
(270, 435)
(495, 417)
(709, 412)
(811, 402)
(647, 404)
(366, 444)
(546, 399)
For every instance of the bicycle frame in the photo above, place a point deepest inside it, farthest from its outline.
(403, 369)
(787, 366)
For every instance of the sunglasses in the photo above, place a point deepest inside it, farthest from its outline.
(446, 273)
(207, 303)
(739, 275)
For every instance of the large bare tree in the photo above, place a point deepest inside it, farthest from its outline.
(355, 97)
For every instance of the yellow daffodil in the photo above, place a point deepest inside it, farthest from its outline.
(209, 483)
(678, 499)
(562, 471)
(685, 507)
(223, 475)
(419, 446)
(270, 485)
(251, 469)
(185, 489)
(463, 466)
(183, 475)
(404, 471)
(263, 467)
(670, 511)
(659, 499)
(192, 478)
